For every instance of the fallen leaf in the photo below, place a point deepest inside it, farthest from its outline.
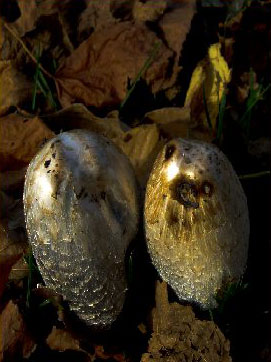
(141, 145)
(13, 246)
(179, 336)
(21, 138)
(149, 10)
(172, 121)
(209, 80)
(96, 15)
(175, 25)
(101, 354)
(15, 339)
(77, 116)
(122, 9)
(98, 71)
(68, 12)
(61, 340)
(15, 87)
(27, 20)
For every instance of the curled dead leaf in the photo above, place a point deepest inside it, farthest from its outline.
(98, 71)
(77, 116)
(28, 17)
(61, 340)
(15, 87)
(15, 339)
(96, 15)
(172, 121)
(208, 83)
(149, 10)
(141, 145)
(175, 25)
(21, 138)
(13, 247)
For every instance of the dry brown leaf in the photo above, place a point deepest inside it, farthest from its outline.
(21, 138)
(96, 15)
(98, 71)
(101, 354)
(77, 116)
(29, 15)
(179, 336)
(15, 339)
(149, 10)
(13, 245)
(172, 122)
(15, 87)
(61, 340)
(141, 145)
(175, 25)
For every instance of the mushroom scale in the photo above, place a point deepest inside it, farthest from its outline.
(196, 220)
(81, 209)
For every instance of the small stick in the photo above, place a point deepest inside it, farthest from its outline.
(13, 33)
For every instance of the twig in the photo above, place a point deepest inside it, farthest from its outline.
(13, 33)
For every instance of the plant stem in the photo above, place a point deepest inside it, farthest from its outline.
(13, 33)
(254, 175)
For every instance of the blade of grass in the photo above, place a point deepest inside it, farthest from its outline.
(44, 87)
(254, 175)
(221, 113)
(255, 95)
(145, 67)
(34, 97)
(252, 102)
(29, 279)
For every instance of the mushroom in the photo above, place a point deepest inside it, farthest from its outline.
(196, 220)
(81, 210)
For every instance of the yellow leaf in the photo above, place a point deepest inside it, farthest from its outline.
(209, 80)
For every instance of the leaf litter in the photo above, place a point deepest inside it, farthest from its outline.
(97, 54)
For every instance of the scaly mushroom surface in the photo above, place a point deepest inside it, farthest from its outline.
(81, 209)
(196, 220)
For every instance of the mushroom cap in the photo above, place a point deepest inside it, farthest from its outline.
(81, 209)
(196, 220)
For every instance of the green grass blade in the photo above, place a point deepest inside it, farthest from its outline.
(254, 175)
(145, 67)
(34, 97)
(221, 113)
(46, 90)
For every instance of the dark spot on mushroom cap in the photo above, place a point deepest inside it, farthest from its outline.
(54, 155)
(207, 188)
(79, 195)
(128, 137)
(170, 149)
(185, 191)
(172, 217)
(47, 163)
